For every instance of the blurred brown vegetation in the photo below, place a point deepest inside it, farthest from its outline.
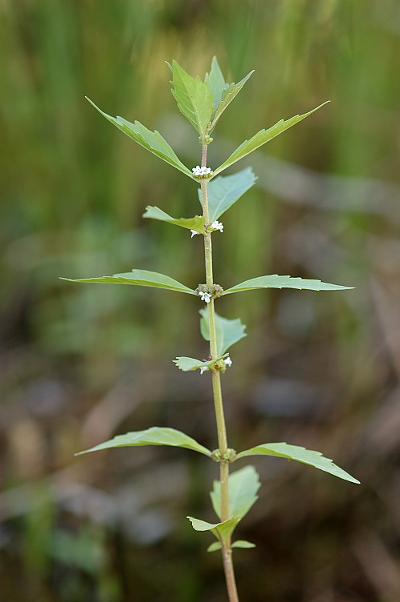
(79, 364)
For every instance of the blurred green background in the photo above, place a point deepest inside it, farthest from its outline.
(80, 363)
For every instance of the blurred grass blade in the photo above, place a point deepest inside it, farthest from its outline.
(152, 141)
(262, 137)
(300, 454)
(243, 487)
(194, 98)
(224, 191)
(193, 223)
(153, 436)
(140, 278)
(228, 332)
(227, 96)
(275, 281)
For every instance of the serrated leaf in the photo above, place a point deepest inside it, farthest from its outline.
(224, 191)
(240, 543)
(222, 531)
(194, 98)
(187, 364)
(228, 331)
(262, 137)
(153, 436)
(192, 223)
(216, 82)
(243, 487)
(275, 281)
(139, 278)
(300, 454)
(227, 96)
(152, 141)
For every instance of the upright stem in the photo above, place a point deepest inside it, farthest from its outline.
(217, 393)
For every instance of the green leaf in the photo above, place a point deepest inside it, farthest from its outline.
(190, 363)
(228, 331)
(294, 452)
(224, 191)
(263, 136)
(240, 543)
(194, 98)
(192, 223)
(221, 530)
(216, 82)
(153, 436)
(152, 141)
(243, 487)
(275, 281)
(140, 278)
(227, 96)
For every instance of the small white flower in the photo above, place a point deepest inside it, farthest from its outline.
(228, 362)
(205, 297)
(217, 226)
(201, 171)
(203, 369)
(193, 233)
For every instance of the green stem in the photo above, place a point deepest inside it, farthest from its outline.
(217, 393)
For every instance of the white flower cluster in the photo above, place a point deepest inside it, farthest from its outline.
(227, 361)
(211, 228)
(217, 226)
(201, 171)
(205, 297)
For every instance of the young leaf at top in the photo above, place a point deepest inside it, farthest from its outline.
(194, 99)
(263, 136)
(152, 436)
(224, 191)
(228, 95)
(152, 141)
(228, 331)
(140, 278)
(192, 223)
(216, 82)
(295, 452)
(186, 364)
(243, 487)
(275, 281)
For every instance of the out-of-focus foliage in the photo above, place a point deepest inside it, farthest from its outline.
(80, 364)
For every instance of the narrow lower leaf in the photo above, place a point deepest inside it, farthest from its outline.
(224, 191)
(152, 141)
(228, 331)
(192, 223)
(186, 364)
(227, 96)
(152, 436)
(243, 487)
(275, 281)
(221, 530)
(140, 278)
(300, 454)
(194, 98)
(216, 82)
(240, 543)
(263, 136)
